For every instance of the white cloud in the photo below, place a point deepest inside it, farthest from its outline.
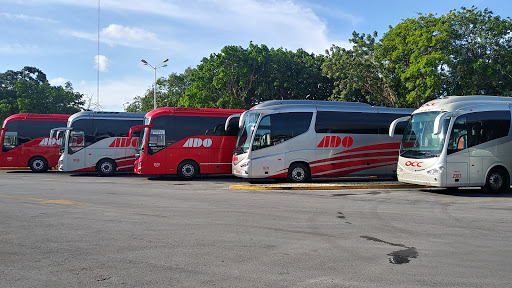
(128, 36)
(101, 63)
(58, 81)
(17, 49)
(27, 18)
(116, 34)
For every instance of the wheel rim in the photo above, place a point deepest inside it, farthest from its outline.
(188, 170)
(495, 181)
(38, 164)
(298, 174)
(106, 167)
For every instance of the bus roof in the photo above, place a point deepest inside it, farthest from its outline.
(105, 115)
(274, 106)
(178, 111)
(466, 103)
(36, 117)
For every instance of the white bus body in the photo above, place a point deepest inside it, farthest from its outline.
(299, 139)
(458, 141)
(98, 142)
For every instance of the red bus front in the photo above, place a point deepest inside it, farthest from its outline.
(25, 141)
(186, 142)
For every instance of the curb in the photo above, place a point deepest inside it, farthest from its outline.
(289, 186)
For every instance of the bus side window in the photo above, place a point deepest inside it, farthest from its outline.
(156, 141)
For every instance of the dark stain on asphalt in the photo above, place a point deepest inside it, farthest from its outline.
(397, 257)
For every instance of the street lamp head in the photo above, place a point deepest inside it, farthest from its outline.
(165, 60)
(144, 62)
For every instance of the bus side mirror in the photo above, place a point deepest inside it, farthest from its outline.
(440, 119)
(393, 124)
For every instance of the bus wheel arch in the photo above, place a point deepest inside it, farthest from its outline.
(106, 167)
(299, 172)
(497, 180)
(38, 164)
(188, 169)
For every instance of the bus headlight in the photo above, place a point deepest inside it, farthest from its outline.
(436, 171)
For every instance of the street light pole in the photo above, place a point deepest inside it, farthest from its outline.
(154, 67)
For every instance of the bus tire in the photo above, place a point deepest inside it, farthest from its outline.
(188, 169)
(497, 181)
(106, 167)
(299, 173)
(38, 164)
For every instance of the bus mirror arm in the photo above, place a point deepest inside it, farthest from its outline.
(393, 124)
(137, 128)
(439, 120)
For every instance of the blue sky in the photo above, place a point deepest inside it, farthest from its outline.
(60, 37)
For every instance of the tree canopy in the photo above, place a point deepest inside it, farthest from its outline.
(28, 91)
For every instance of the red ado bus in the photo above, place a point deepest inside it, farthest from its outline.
(25, 141)
(186, 141)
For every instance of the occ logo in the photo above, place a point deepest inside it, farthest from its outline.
(414, 163)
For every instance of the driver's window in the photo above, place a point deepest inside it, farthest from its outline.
(458, 135)
(10, 141)
(156, 141)
(76, 141)
(262, 135)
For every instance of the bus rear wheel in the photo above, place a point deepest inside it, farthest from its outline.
(497, 181)
(188, 169)
(299, 173)
(106, 167)
(38, 164)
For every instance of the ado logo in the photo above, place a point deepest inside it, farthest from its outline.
(197, 142)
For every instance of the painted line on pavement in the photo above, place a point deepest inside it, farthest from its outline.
(66, 202)
(319, 187)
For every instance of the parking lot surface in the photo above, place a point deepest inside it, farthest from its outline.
(63, 230)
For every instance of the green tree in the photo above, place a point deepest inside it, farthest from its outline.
(357, 73)
(416, 54)
(240, 78)
(481, 50)
(28, 91)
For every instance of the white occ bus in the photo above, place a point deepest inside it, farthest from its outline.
(300, 139)
(98, 142)
(458, 141)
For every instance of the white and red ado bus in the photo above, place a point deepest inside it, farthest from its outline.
(25, 141)
(186, 141)
(300, 139)
(458, 141)
(98, 142)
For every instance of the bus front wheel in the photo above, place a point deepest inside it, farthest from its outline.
(497, 181)
(38, 164)
(299, 173)
(106, 167)
(188, 169)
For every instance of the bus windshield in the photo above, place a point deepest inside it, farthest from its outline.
(245, 133)
(419, 140)
(142, 138)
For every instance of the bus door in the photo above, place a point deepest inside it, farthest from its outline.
(268, 159)
(76, 151)
(155, 161)
(9, 156)
(457, 154)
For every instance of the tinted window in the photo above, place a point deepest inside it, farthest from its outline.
(29, 130)
(357, 122)
(476, 128)
(277, 128)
